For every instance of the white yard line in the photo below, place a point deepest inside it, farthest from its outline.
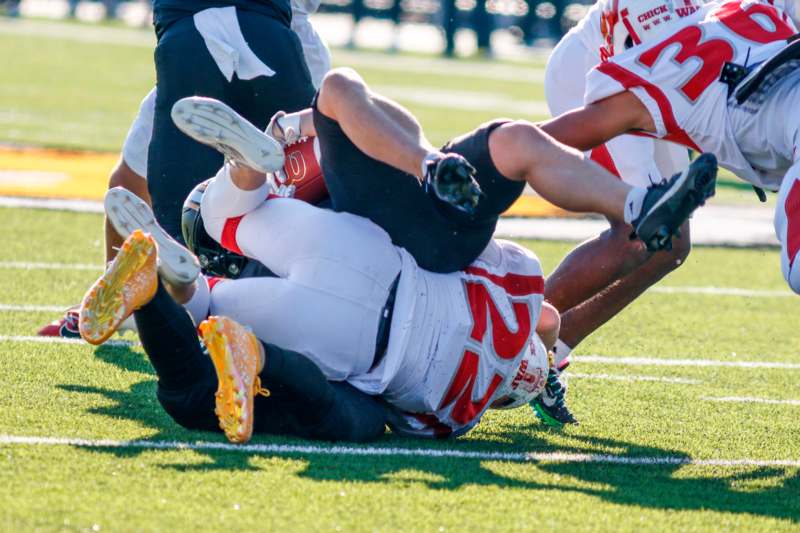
(553, 457)
(724, 291)
(60, 340)
(36, 265)
(652, 361)
(622, 377)
(9, 308)
(748, 399)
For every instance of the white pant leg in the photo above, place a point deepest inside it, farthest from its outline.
(632, 158)
(336, 331)
(137, 142)
(335, 272)
(670, 158)
(787, 226)
(200, 302)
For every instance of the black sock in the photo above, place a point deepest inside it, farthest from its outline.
(170, 340)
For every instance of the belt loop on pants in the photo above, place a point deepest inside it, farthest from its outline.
(385, 325)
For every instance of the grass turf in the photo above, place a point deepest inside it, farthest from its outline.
(109, 393)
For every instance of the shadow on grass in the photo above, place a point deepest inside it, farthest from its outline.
(763, 491)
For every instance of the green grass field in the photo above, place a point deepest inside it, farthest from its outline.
(68, 412)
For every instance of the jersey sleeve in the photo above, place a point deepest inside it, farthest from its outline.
(612, 77)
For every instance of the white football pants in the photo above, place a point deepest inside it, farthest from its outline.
(335, 272)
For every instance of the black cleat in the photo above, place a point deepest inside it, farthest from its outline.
(667, 205)
(451, 178)
(550, 405)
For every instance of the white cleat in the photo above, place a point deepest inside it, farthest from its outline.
(211, 122)
(127, 213)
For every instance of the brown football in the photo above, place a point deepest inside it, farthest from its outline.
(303, 171)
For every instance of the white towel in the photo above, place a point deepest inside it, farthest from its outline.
(225, 42)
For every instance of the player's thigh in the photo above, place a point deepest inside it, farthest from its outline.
(337, 252)
(390, 198)
(335, 331)
(787, 227)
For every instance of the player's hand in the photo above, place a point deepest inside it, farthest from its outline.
(284, 128)
(452, 179)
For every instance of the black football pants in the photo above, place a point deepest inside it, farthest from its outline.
(184, 67)
(302, 402)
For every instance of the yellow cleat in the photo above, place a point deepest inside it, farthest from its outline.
(129, 282)
(235, 352)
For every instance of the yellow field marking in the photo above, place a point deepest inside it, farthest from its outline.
(44, 172)
(534, 207)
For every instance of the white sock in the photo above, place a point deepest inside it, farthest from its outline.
(561, 352)
(633, 203)
(129, 324)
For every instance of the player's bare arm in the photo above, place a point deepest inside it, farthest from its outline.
(596, 123)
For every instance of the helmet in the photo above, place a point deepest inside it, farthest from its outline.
(626, 23)
(214, 259)
(529, 380)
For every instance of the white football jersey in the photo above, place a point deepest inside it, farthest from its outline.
(677, 78)
(457, 337)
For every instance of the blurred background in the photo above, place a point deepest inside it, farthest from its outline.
(449, 27)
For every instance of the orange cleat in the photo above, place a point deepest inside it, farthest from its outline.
(235, 352)
(128, 283)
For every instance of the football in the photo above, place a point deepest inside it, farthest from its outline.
(302, 170)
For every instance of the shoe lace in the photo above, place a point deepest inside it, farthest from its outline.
(555, 389)
(258, 389)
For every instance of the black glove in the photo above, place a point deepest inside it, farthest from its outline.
(452, 179)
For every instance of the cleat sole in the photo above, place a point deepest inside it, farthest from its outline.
(213, 123)
(106, 304)
(127, 213)
(234, 397)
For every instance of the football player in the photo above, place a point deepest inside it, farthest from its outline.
(622, 268)
(439, 349)
(377, 164)
(724, 81)
(437, 235)
(131, 170)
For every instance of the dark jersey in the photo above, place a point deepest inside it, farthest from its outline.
(165, 12)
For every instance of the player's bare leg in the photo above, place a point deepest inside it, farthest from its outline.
(379, 127)
(621, 271)
(563, 176)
